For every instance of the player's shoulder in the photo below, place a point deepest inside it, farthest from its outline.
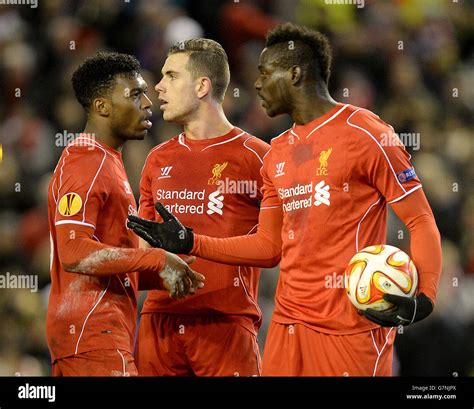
(84, 152)
(161, 152)
(370, 133)
(254, 146)
(363, 122)
(166, 145)
(164, 148)
(83, 160)
(281, 139)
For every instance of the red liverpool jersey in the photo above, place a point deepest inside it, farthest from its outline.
(333, 178)
(89, 188)
(212, 185)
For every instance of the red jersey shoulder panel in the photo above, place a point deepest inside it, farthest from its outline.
(383, 158)
(78, 190)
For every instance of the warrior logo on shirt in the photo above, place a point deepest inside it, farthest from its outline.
(217, 173)
(323, 162)
(279, 169)
(70, 204)
(165, 172)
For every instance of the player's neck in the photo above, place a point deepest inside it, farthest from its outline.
(307, 106)
(209, 122)
(104, 135)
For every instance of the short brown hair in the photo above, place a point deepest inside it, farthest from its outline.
(207, 58)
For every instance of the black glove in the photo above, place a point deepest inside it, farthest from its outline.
(170, 235)
(405, 310)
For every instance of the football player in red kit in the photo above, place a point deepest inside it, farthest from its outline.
(327, 183)
(92, 307)
(210, 176)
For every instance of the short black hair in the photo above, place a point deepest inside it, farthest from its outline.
(207, 58)
(95, 77)
(302, 46)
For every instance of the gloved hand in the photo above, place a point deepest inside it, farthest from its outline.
(405, 310)
(170, 235)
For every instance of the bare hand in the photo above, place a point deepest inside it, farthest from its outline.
(178, 278)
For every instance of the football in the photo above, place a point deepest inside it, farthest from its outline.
(376, 270)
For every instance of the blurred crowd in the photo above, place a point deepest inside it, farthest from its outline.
(410, 61)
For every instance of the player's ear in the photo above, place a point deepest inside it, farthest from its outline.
(203, 86)
(101, 106)
(295, 74)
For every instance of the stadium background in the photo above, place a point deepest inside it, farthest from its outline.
(410, 61)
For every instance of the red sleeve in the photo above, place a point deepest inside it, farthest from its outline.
(259, 149)
(262, 249)
(270, 196)
(79, 253)
(146, 208)
(383, 159)
(80, 193)
(425, 242)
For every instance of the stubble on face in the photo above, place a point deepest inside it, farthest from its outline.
(177, 88)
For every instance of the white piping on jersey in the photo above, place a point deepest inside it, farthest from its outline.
(123, 363)
(250, 149)
(223, 142)
(94, 143)
(324, 123)
(393, 130)
(252, 229)
(181, 141)
(379, 354)
(283, 133)
(62, 168)
(61, 175)
(361, 220)
(402, 145)
(52, 192)
(153, 150)
(257, 353)
(51, 251)
(293, 132)
(90, 312)
(74, 222)
(84, 142)
(92, 184)
(377, 142)
(159, 146)
(82, 139)
(405, 194)
(264, 156)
